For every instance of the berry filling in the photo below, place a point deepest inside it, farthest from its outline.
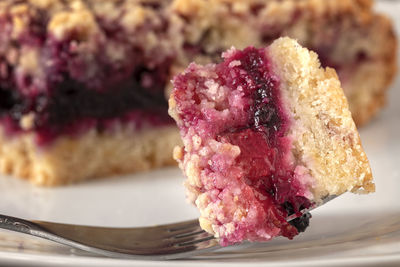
(237, 104)
(77, 84)
(71, 108)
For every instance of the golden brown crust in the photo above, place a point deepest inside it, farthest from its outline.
(372, 79)
(325, 137)
(91, 155)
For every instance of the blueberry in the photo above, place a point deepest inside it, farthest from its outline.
(301, 223)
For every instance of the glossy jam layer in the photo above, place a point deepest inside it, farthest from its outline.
(262, 142)
(238, 103)
(74, 110)
(71, 108)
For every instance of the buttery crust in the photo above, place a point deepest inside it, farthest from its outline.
(325, 137)
(91, 155)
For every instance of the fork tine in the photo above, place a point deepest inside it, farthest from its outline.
(180, 235)
(170, 230)
(182, 225)
(200, 231)
(166, 236)
(176, 240)
(196, 241)
(183, 233)
(190, 237)
(314, 206)
(170, 241)
(196, 244)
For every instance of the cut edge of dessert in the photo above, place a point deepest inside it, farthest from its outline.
(266, 134)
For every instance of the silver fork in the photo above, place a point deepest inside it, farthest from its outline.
(163, 242)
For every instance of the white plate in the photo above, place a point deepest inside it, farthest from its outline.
(355, 230)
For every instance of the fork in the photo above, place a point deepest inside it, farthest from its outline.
(163, 242)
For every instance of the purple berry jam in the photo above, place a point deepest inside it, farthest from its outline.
(264, 136)
(76, 84)
(238, 103)
(71, 103)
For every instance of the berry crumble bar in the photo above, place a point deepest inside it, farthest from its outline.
(86, 80)
(267, 132)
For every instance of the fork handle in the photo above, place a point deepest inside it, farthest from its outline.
(45, 230)
(19, 225)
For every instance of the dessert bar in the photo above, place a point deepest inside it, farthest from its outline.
(267, 133)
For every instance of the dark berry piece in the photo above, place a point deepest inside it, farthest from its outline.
(301, 223)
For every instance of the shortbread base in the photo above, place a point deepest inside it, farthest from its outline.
(91, 155)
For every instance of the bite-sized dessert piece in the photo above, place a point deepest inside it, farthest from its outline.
(77, 75)
(266, 133)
